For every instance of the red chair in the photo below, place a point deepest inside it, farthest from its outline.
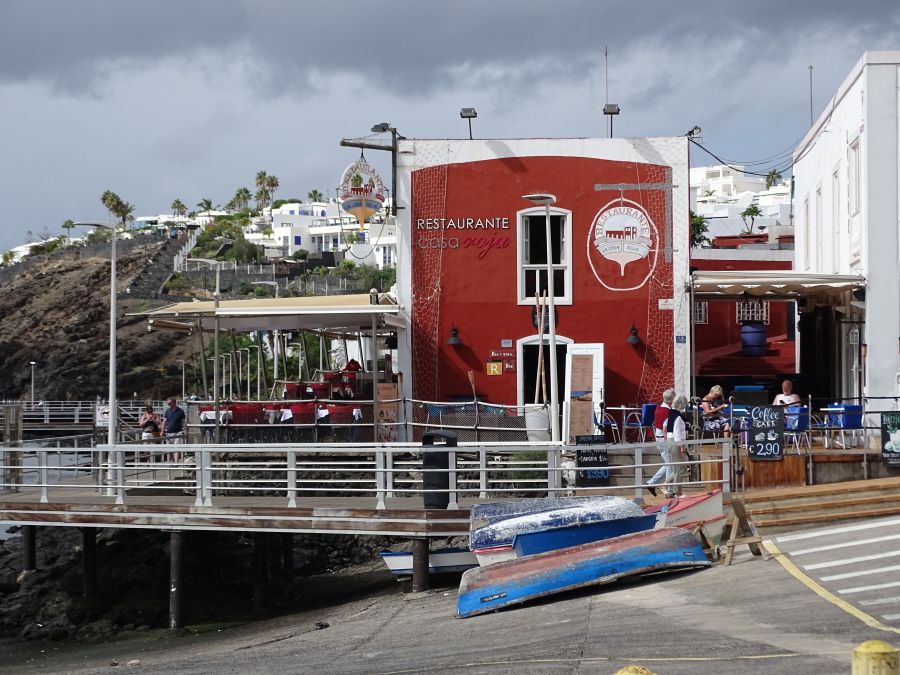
(318, 389)
(292, 390)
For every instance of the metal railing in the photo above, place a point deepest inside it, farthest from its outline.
(292, 473)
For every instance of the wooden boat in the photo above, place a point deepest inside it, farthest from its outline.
(440, 561)
(704, 510)
(512, 582)
(496, 525)
(550, 539)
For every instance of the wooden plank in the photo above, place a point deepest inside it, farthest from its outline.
(789, 471)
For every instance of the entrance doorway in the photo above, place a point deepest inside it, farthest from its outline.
(529, 370)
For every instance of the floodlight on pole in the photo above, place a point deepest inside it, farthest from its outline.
(468, 114)
(546, 200)
(611, 110)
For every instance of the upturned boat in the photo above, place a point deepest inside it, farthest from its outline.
(440, 561)
(512, 582)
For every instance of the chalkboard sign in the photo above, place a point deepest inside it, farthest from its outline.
(890, 438)
(766, 433)
(592, 463)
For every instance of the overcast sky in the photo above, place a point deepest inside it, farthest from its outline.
(158, 99)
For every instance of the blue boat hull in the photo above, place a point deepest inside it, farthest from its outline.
(485, 589)
(551, 539)
(498, 523)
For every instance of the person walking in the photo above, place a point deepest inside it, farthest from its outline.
(173, 426)
(664, 473)
(676, 434)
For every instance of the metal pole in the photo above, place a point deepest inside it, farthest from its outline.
(551, 307)
(176, 573)
(113, 404)
(181, 361)
(240, 372)
(89, 561)
(216, 402)
(29, 548)
(32, 381)
(420, 564)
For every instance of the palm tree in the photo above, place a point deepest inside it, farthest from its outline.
(111, 201)
(752, 212)
(125, 212)
(315, 196)
(242, 198)
(68, 225)
(356, 180)
(260, 197)
(178, 207)
(205, 204)
(773, 177)
(271, 187)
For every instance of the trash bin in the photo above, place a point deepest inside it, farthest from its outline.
(435, 469)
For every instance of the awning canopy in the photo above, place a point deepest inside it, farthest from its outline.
(770, 284)
(347, 313)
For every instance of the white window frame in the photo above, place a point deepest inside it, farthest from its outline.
(820, 229)
(836, 220)
(566, 254)
(807, 234)
(701, 313)
(853, 167)
(752, 310)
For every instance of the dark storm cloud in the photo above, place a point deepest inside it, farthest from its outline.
(410, 46)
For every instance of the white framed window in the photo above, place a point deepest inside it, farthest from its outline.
(807, 234)
(820, 233)
(752, 310)
(835, 221)
(701, 312)
(531, 254)
(853, 176)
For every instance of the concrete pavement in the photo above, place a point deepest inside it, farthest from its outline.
(751, 617)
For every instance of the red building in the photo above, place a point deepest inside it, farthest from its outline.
(473, 257)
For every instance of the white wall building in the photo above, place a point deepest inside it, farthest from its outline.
(846, 218)
(721, 193)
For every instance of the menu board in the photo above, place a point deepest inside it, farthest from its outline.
(890, 438)
(592, 463)
(765, 440)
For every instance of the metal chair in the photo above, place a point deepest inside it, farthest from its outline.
(607, 422)
(796, 426)
(641, 422)
(851, 419)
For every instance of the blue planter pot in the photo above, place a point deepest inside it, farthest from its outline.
(753, 338)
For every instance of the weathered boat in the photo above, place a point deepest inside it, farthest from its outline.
(495, 526)
(706, 510)
(440, 561)
(513, 582)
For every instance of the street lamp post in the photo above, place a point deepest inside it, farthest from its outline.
(113, 403)
(299, 359)
(181, 361)
(546, 200)
(32, 382)
(258, 365)
(276, 335)
(216, 400)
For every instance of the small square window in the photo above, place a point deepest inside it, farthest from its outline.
(701, 313)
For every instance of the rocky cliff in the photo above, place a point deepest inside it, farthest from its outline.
(55, 311)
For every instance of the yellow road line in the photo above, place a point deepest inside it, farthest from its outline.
(821, 591)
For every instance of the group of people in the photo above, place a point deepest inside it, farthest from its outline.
(670, 429)
(168, 428)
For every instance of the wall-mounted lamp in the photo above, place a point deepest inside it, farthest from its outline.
(611, 110)
(454, 340)
(633, 338)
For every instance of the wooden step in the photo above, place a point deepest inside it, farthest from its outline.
(829, 505)
(825, 501)
(767, 524)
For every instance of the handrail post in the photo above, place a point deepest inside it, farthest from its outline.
(638, 473)
(379, 479)
(726, 467)
(198, 463)
(454, 495)
(207, 482)
(552, 473)
(482, 473)
(42, 473)
(389, 472)
(292, 478)
(120, 476)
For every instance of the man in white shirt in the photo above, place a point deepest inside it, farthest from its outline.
(786, 397)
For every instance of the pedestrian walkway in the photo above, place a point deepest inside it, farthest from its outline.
(857, 562)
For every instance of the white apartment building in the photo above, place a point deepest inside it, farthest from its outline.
(846, 220)
(721, 193)
(323, 226)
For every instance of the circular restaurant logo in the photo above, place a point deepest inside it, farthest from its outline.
(622, 245)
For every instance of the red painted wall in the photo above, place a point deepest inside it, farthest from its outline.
(468, 278)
